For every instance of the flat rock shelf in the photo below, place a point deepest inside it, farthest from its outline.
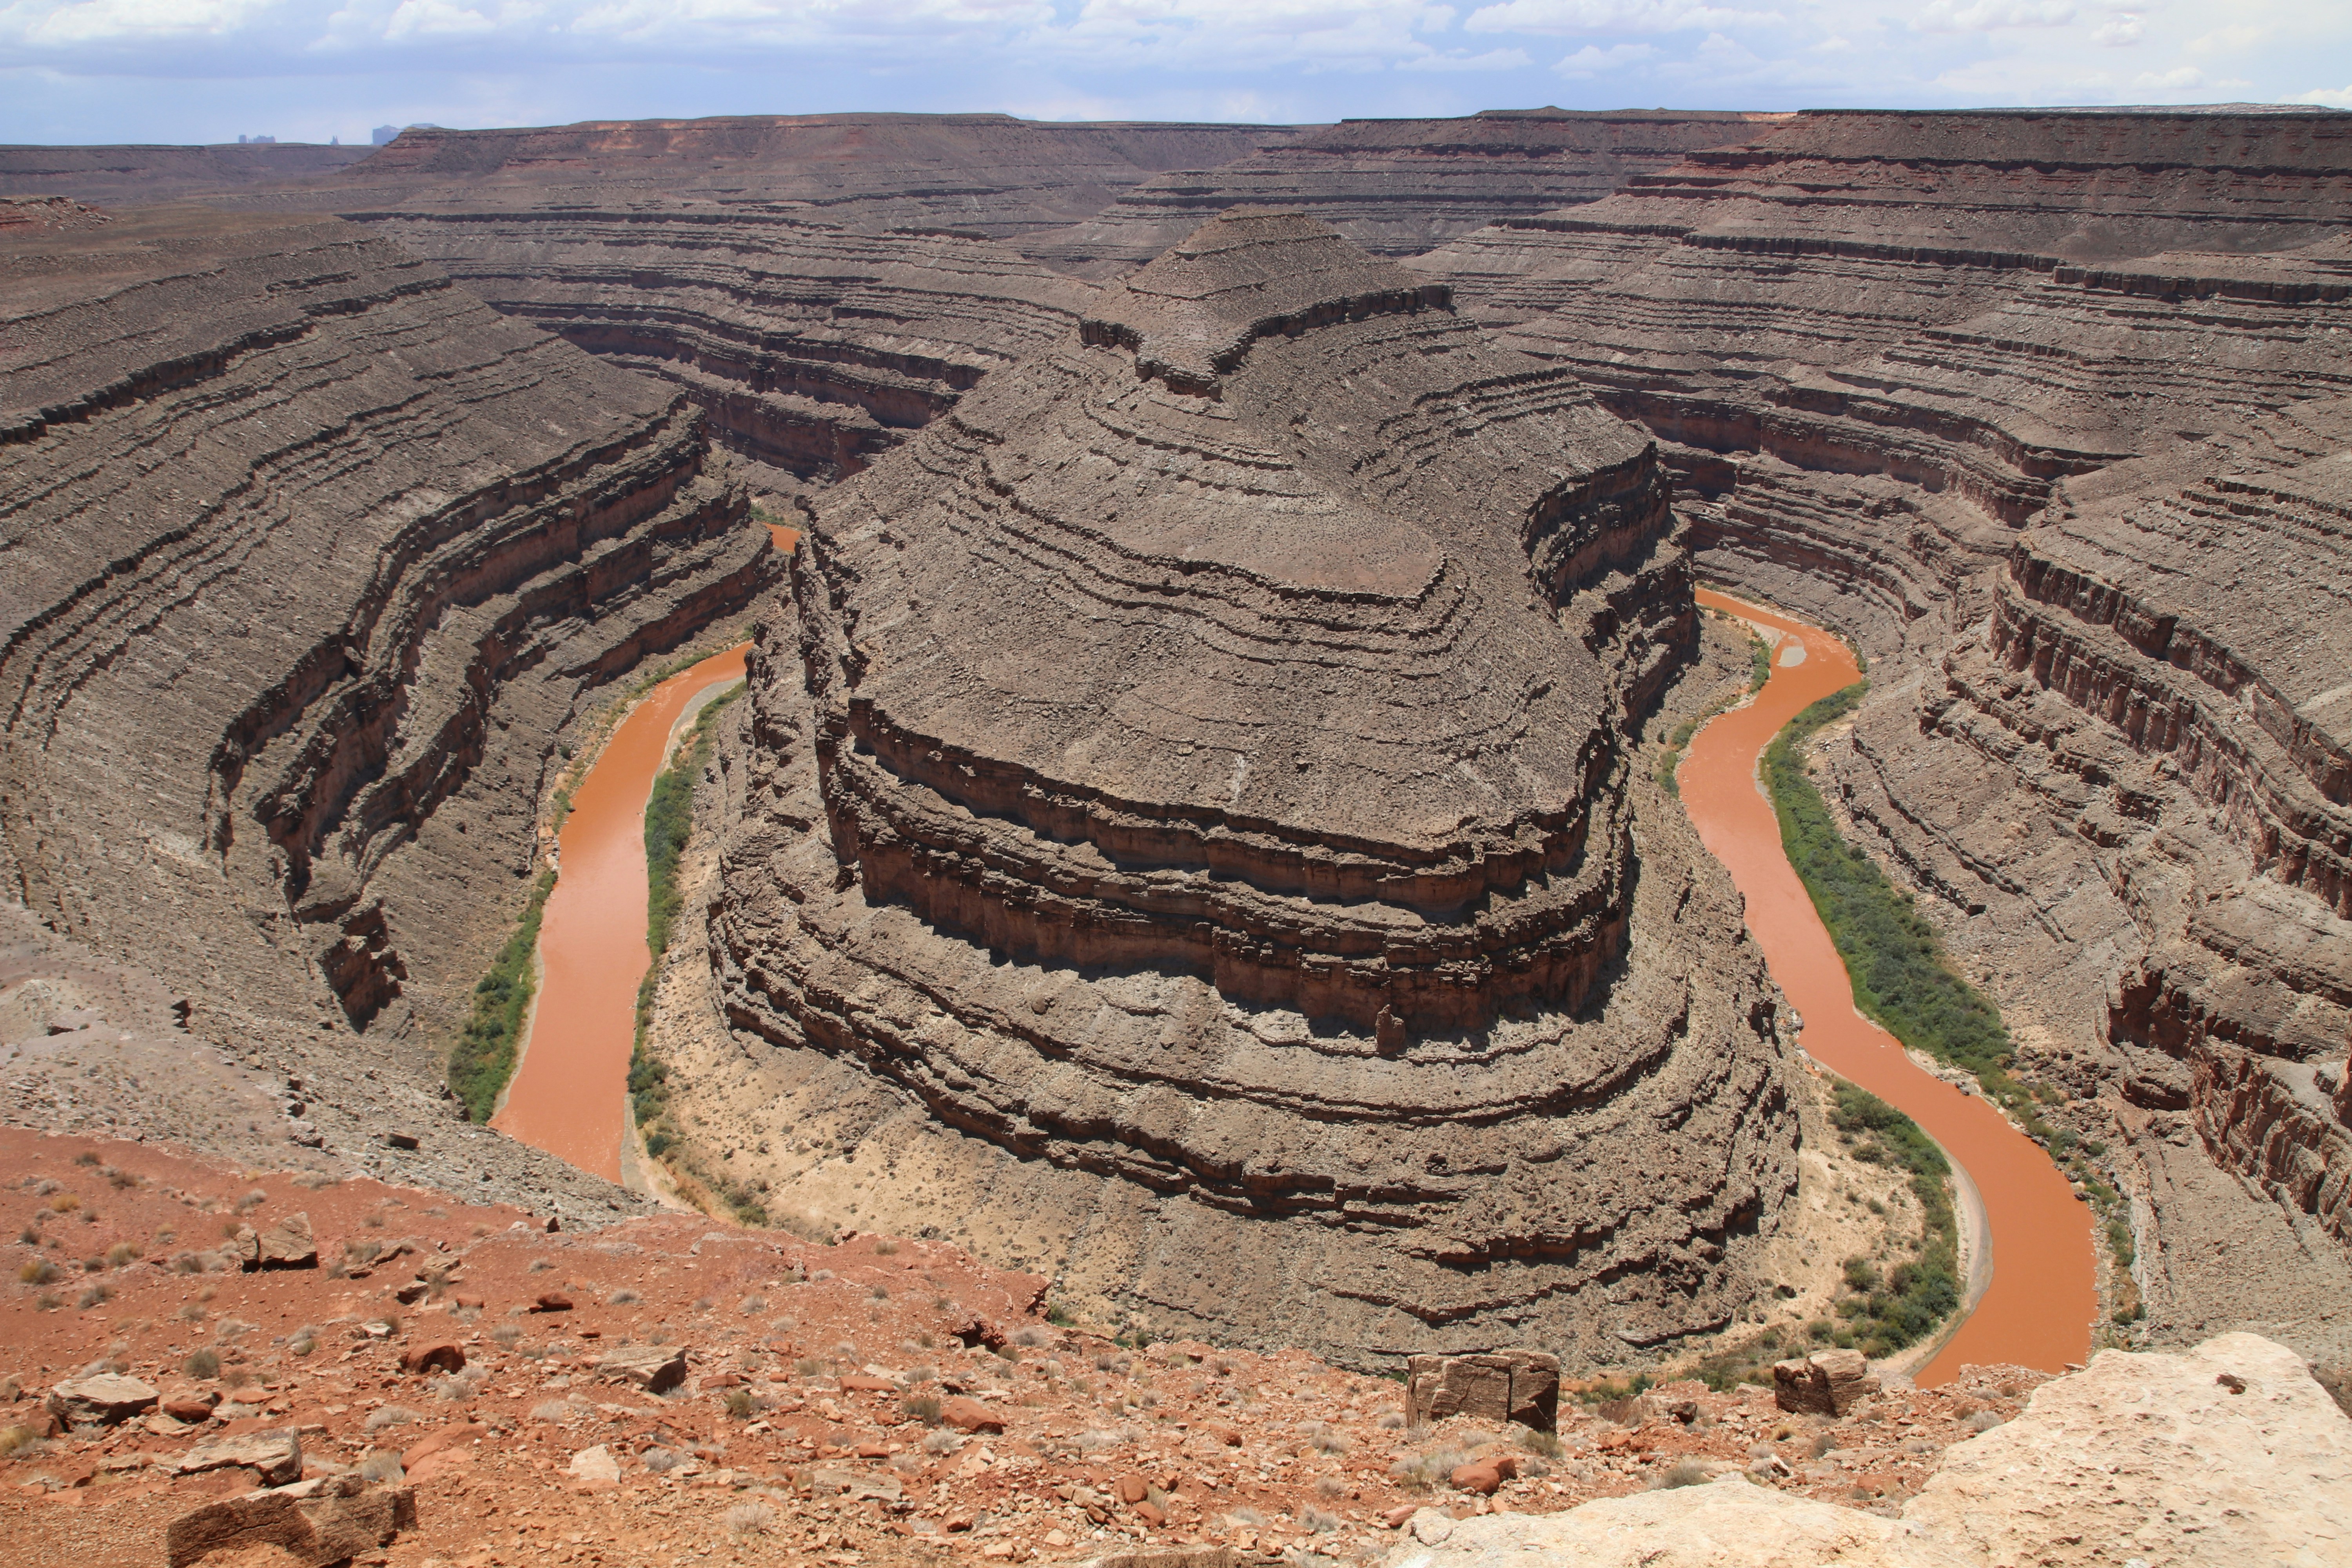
(2037, 1309)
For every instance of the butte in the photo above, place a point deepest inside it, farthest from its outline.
(1185, 837)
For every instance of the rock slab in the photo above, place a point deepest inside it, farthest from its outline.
(107, 1398)
(1508, 1385)
(657, 1369)
(1827, 1383)
(277, 1455)
(336, 1523)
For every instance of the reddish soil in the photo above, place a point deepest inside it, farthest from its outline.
(800, 1434)
(566, 1097)
(2038, 1308)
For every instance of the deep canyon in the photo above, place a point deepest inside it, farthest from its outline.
(1194, 829)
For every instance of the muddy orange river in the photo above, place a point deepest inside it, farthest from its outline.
(2038, 1308)
(569, 1096)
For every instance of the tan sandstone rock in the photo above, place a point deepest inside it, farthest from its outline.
(105, 1399)
(1827, 1383)
(2227, 1455)
(657, 1369)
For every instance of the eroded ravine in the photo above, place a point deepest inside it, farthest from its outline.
(2037, 1309)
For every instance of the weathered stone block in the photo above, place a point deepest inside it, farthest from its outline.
(1827, 1383)
(336, 1521)
(105, 1399)
(1504, 1386)
(657, 1369)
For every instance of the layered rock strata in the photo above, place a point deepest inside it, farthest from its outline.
(312, 559)
(1397, 186)
(2046, 410)
(810, 348)
(136, 175)
(985, 176)
(1191, 778)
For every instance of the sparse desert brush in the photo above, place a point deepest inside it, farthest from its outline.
(1534, 1442)
(623, 1297)
(19, 1442)
(552, 1411)
(201, 1365)
(753, 1304)
(1031, 1337)
(389, 1416)
(886, 1247)
(1682, 1473)
(383, 1468)
(750, 1518)
(1330, 1486)
(923, 1407)
(120, 1255)
(507, 1335)
(1314, 1521)
(64, 1203)
(1427, 1470)
(39, 1271)
(943, 1441)
(740, 1403)
(96, 1295)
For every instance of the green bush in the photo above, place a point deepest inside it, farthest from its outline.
(1901, 1305)
(1901, 977)
(484, 1057)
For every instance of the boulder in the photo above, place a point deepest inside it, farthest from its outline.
(338, 1519)
(439, 1355)
(1480, 1475)
(1827, 1383)
(1521, 1386)
(276, 1455)
(551, 1301)
(192, 1404)
(967, 1414)
(287, 1244)
(657, 1369)
(595, 1466)
(107, 1398)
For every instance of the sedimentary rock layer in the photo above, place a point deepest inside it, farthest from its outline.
(311, 557)
(810, 347)
(1397, 186)
(987, 176)
(136, 175)
(2047, 410)
(1193, 771)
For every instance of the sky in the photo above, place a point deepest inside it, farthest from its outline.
(211, 70)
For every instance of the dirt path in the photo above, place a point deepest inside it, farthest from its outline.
(2038, 1308)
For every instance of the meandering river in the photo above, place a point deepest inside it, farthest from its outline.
(2036, 1311)
(569, 1091)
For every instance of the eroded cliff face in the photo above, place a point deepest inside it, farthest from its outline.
(311, 559)
(1187, 806)
(985, 175)
(1395, 186)
(810, 347)
(2047, 411)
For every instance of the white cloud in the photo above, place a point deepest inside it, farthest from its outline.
(1986, 15)
(1492, 61)
(2172, 81)
(1579, 16)
(109, 21)
(2332, 96)
(2119, 32)
(1590, 61)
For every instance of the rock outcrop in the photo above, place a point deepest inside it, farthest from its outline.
(1397, 186)
(1194, 843)
(809, 347)
(313, 560)
(140, 176)
(2045, 409)
(2228, 1454)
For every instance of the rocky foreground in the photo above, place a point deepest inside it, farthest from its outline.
(227, 1363)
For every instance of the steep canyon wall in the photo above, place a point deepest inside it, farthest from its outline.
(2049, 411)
(313, 562)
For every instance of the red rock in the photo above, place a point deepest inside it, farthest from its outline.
(1398, 1517)
(1133, 1489)
(552, 1301)
(191, 1407)
(448, 1437)
(970, 1416)
(469, 1303)
(1480, 1475)
(1150, 1515)
(957, 1522)
(1227, 1435)
(855, 1383)
(438, 1355)
(723, 1380)
(873, 1450)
